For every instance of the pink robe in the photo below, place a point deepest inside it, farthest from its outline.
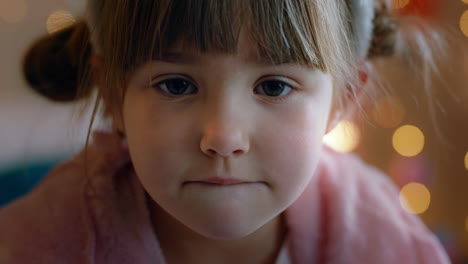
(349, 213)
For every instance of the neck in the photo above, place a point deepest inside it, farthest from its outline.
(182, 245)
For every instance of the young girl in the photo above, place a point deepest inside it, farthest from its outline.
(215, 153)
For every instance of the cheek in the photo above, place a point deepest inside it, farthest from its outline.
(293, 152)
(155, 145)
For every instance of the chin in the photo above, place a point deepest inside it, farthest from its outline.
(225, 232)
(226, 227)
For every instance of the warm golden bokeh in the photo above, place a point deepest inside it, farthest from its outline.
(13, 11)
(58, 20)
(466, 161)
(464, 23)
(344, 137)
(466, 224)
(408, 141)
(400, 3)
(415, 198)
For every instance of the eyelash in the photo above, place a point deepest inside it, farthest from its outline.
(274, 98)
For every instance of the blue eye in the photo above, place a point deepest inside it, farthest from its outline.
(174, 86)
(275, 88)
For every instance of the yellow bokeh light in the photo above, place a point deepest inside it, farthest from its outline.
(344, 137)
(466, 160)
(466, 224)
(388, 112)
(415, 198)
(464, 23)
(465, 1)
(13, 11)
(59, 20)
(400, 3)
(408, 141)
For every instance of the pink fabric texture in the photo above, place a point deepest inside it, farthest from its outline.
(349, 213)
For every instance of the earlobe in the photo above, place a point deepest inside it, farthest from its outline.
(362, 81)
(356, 96)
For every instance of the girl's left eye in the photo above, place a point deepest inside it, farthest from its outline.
(174, 86)
(275, 88)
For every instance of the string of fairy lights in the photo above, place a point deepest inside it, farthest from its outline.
(388, 112)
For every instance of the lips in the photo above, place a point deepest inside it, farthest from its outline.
(221, 181)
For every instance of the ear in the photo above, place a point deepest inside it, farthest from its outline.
(352, 99)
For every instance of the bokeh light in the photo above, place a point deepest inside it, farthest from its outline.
(400, 3)
(415, 198)
(466, 224)
(465, 1)
(344, 137)
(466, 161)
(388, 112)
(13, 11)
(464, 23)
(408, 141)
(59, 20)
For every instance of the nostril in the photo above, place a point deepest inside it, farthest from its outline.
(235, 153)
(238, 152)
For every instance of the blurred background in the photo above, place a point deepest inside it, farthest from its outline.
(426, 154)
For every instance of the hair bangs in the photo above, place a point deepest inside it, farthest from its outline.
(282, 30)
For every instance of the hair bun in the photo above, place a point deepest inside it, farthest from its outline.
(57, 65)
(384, 34)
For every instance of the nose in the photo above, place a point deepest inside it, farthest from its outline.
(224, 135)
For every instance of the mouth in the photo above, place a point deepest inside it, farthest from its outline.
(221, 181)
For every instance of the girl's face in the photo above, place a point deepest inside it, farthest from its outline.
(206, 115)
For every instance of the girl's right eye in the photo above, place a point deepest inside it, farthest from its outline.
(174, 86)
